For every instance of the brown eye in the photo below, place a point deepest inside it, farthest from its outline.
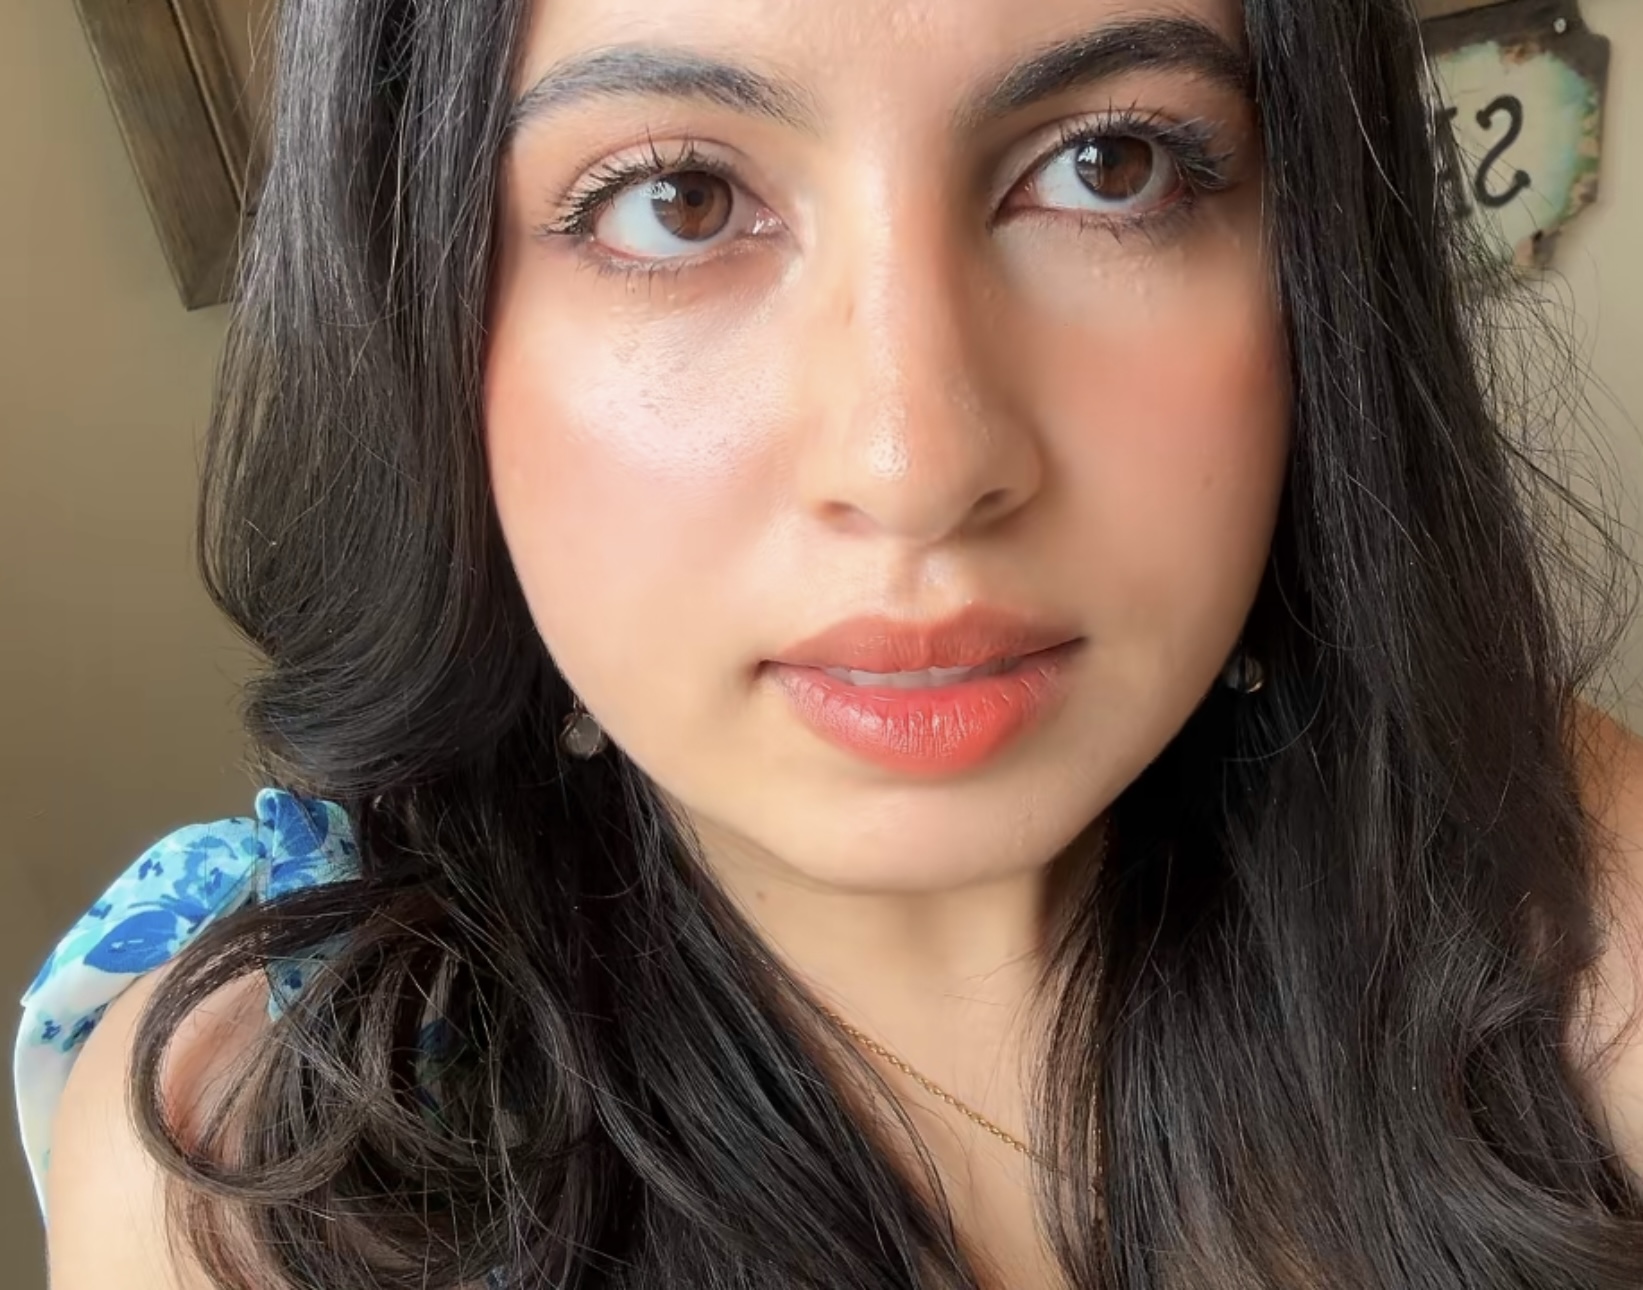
(676, 216)
(693, 206)
(1117, 170)
(1111, 174)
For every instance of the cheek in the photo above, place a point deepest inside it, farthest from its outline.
(620, 470)
(642, 464)
(1172, 400)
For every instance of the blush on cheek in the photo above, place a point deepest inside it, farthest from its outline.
(1170, 396)
(669, 400)
(625, 458)
(1169, 380)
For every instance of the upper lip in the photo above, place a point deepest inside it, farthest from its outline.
(972, 638)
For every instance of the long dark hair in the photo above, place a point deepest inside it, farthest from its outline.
(1311, 1014)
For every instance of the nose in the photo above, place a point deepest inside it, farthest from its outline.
(912, 428)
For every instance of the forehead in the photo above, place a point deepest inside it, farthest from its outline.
(840, 47)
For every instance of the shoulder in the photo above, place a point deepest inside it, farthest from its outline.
(99, 1188)
(150, 912)
(1609, 1043)
(106, 1195)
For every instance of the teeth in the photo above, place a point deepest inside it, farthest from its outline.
(929, 679)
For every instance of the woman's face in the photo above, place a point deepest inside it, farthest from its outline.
(806, 313)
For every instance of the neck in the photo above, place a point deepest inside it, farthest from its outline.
(947, 980)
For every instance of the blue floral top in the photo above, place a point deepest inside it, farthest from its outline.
(154, 908)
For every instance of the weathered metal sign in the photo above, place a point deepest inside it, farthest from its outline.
(1523, 85)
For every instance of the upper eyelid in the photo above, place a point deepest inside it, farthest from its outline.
(1053, 140)
(688, 154)
(681, 156)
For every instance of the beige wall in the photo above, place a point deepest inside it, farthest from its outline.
(1598, 291)
(115, 677)
(116, 708)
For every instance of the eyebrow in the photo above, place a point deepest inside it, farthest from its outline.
(663, 72)
(684, 75)
(1148, 44)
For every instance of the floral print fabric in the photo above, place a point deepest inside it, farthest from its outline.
(172, 891)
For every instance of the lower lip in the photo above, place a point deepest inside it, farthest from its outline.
(939, 731)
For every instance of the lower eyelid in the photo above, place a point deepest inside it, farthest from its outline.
(613, 262)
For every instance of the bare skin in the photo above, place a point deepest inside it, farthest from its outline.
(914, 365)
(917, 367)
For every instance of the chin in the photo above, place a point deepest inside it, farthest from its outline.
(935, 840)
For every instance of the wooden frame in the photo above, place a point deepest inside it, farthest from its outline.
(1497, 20)
(181, 107)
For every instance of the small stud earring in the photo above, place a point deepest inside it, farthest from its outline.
(582, 736)
(1244, 674)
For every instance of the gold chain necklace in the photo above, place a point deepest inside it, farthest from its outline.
(928, 1085)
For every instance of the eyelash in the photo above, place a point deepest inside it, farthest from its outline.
(1189, 145)
(588, 200)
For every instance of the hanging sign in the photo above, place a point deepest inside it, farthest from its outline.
(1522, 85)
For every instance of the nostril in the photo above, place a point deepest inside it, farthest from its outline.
(990, 502)
(847, 518)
